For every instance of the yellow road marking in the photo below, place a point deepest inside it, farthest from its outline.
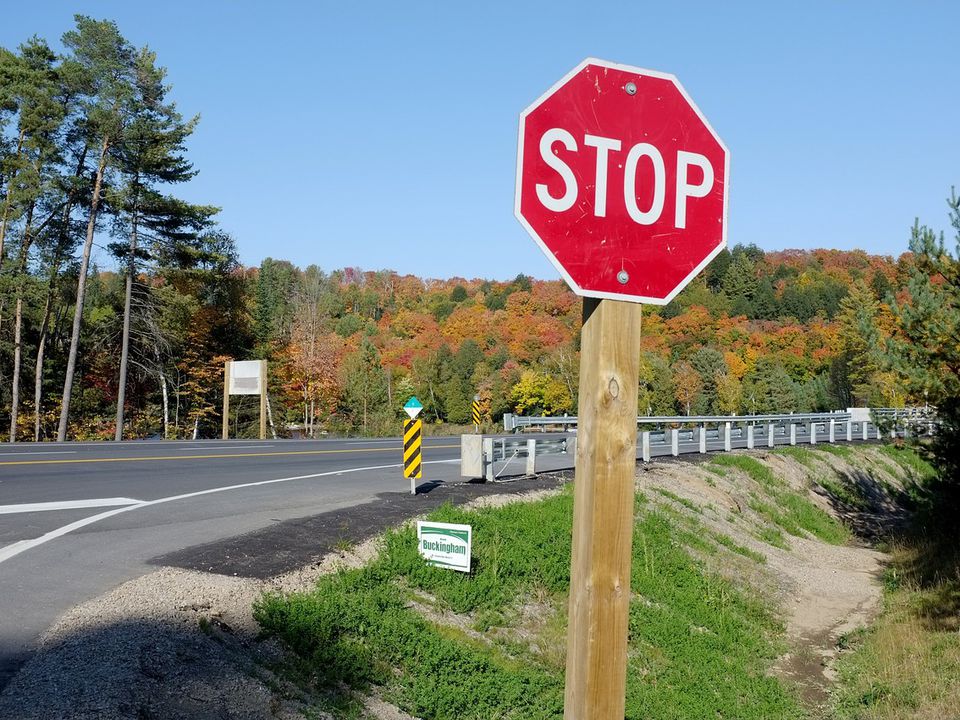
(202, 457)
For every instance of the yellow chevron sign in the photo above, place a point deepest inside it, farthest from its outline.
(476, 412)
(412, 437)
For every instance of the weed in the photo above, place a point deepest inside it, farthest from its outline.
(680, 500)
(841, 451)
(801, 455)
(789, 509)
(731, 544)
(699, 646)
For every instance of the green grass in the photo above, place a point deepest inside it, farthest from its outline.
(841, 451)
(844, 492)
(786, 508)
(729, 543)
(700, 647)
(910, 460)
(689, 505)
(907, 664)
(801, 455)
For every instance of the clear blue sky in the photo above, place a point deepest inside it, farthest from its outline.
(383, 135)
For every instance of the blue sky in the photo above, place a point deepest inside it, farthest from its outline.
(383, 135)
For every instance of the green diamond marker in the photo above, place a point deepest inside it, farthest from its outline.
(413, 407)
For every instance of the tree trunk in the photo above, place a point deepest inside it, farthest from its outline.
(273, 429)
(18, 326)
(125, 343)
(166, 405)
(81, 288)
(38, 367)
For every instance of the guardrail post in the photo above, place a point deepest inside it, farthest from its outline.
(793, 434)
(727, 444)
(865, 429)
(850, 430)
(645, 445)
(674, 442)
(488, 458)
(703, 438)
(749, 437)
(531, 457)
(893, 430)
(572, 449)
(771, 429)
(813, 433)
(833, 431)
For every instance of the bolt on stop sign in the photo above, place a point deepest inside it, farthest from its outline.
(622, 182)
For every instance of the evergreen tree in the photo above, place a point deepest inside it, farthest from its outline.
(149, 153)
(365, 388)
(106, 60)
(927, 350)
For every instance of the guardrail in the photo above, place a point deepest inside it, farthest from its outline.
(489, 457)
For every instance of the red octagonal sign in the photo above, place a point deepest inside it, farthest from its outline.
(622, 182)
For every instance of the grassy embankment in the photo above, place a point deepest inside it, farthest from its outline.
(907, 664)
(443, 645)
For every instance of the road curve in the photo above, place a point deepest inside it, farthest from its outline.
(76, 519)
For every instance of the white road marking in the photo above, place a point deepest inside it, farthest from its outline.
(65, 505)
(16, 548)
(50, 452)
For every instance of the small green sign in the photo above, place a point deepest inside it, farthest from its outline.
(445, 545)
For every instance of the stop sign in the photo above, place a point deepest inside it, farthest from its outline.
(622, 182)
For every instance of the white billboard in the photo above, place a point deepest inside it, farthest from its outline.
(245, 377)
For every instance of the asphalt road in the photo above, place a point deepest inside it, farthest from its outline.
(77, 519)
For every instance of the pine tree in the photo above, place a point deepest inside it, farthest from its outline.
(107, 61)
(926, 350)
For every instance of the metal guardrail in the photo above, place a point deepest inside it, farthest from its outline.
(515, 423)
(491, 457)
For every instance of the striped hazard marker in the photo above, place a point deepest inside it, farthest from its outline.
(412, 436)
(476, 413)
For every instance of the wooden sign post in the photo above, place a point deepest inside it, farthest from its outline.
(603, 511)
(247, 377)
(622, 183)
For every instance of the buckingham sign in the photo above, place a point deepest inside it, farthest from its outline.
(445, 545)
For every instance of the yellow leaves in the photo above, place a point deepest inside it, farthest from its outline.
(539, 392)
(737, 366)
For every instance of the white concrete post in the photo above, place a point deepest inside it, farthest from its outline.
(865, 429)
(471, 456)
(793, 434)
(833, 431)
(726, 436)
(813, 433)
(703, 438)
(531, 457)
(645, 445)
(850, 430)
(750, 437)
(771, 429)
(674, 442)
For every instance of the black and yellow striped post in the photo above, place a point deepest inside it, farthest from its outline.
(476, 414)
(412, 464)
